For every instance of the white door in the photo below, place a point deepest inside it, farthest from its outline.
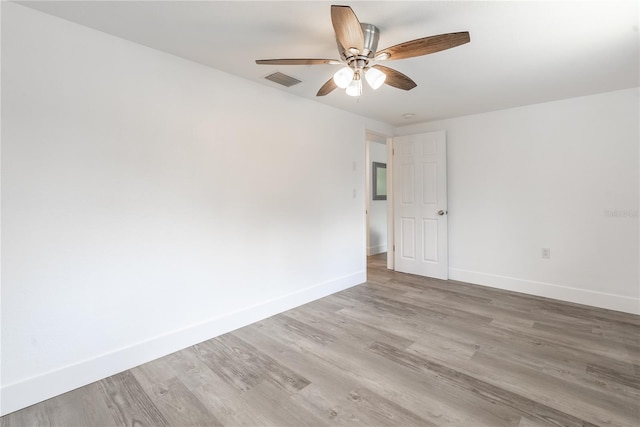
(420, 204)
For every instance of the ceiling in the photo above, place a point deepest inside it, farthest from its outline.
(520, 52)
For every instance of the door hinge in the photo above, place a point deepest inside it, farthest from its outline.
(394, 248)
(393, 151)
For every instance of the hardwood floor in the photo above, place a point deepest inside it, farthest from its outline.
(400, 350)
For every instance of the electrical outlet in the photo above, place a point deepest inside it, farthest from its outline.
(546, 253)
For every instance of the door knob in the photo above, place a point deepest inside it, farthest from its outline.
(441, 212)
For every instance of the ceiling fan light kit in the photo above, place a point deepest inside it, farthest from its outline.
(375, 78)
(355, 87)
(357, 45)
(343, 77)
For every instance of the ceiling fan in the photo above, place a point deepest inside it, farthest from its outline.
(357, 46)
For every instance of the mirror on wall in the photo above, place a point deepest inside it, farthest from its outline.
(379, 181)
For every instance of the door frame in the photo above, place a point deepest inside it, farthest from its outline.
(391, 243)
(390, 196)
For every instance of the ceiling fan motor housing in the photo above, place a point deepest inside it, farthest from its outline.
(371, 36)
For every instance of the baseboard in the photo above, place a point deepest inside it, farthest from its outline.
(549, 290)
(374, 250)
(38, 388)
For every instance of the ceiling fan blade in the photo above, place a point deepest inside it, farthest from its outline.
(347, 27)
(327, 88)
(424, 46)
(396, 78)
(302, 61)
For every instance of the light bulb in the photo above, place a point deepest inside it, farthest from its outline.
(354, 88)
(375, 77)
(343, 77)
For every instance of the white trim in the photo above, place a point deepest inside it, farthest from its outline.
(390, 213)
(32, 390)
(549, 290)
(367, 190)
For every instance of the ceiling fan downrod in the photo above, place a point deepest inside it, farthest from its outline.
(371, 35)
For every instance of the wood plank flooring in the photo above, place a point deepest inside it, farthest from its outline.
(400, 350)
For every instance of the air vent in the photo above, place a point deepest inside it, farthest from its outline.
(283, 79)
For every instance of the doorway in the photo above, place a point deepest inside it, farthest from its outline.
(412, 227)
(377, 218)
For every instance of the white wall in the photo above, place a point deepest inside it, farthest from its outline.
(547, 176)
(149, 203)
(377, 242)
